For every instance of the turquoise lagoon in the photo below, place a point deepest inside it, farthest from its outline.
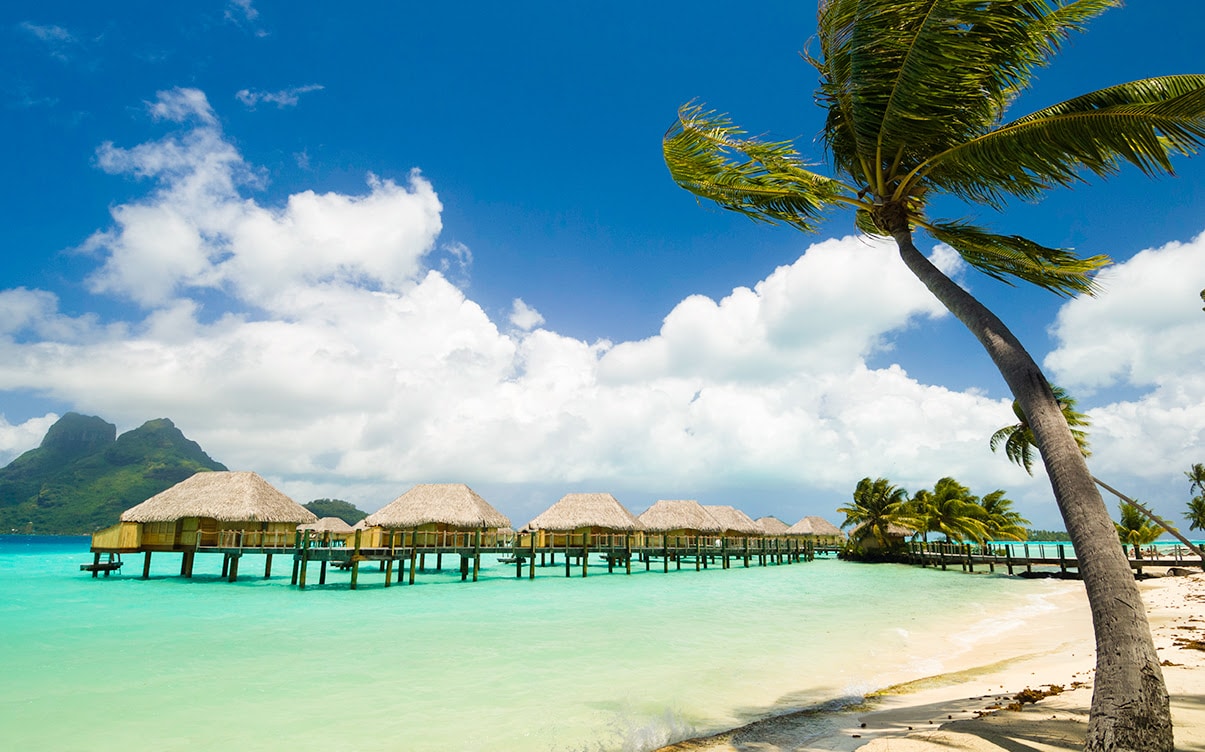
(611, 662)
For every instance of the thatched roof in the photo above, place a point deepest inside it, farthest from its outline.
(816, 526)
(221, 495)
(580, 510)
(452, 504)
(823, 527)
(328, 525)
(771, 525)
(894, 530)
(678, 515)
(733, 520)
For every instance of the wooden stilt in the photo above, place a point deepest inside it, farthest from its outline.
(476, 554)
(627, 551)
(322, 572)
(234, 559)
(413, 561)
(439, 561)
(585, 553)
(464, 567)
(96, 565)
(267, 566)
(225, 565)
(388, 572)
(531, 562)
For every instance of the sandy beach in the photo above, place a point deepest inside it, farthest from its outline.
(968, 710)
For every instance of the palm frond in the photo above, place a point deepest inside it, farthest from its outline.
(1142, 122)
(904, 79)
(1005, 256)
(765, 180)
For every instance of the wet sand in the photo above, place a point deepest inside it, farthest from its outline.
(968, 710)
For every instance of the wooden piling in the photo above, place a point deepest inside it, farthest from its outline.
(267, 566)
(234, 559)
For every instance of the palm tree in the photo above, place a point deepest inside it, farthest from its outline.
(1001, 521)
(953, 511)
(1196, 478)
(1018, 439)
(877, 505)
(916, 93)
(1196, 513)
(1134, 528)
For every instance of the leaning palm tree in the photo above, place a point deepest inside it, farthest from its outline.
(1018, 439)
(916, 93)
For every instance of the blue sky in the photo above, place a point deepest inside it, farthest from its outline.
(359, 248)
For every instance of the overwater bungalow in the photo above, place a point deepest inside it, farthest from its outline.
(739, 534)
(438, 518)
(818, 530)
(449, 515)
(676, 527)
(329, 529)
(225, 511)
(583, 522)
(772, 526)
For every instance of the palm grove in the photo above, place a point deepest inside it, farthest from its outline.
(916, 94)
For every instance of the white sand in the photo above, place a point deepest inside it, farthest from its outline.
(967, 711)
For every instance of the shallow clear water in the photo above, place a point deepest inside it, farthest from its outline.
(610, 662)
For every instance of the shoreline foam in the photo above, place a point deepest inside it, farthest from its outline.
(963, 709)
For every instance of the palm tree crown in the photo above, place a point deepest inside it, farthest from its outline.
(1018, 439)
(916, 93)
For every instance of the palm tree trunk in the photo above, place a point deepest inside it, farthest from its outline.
(1130, 709)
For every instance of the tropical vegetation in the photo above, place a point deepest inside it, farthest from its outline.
(917, 93)
(1134, 528)
(1019, 442)
(336, 508)
(882, 514)
(1196, 506)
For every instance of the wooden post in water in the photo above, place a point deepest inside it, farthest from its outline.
(698, 551)
(476, 554)
(627, 547)
(1028, 561)
(970, 558)
(413, 561)
(1062, 560)
(567, 564)
(296, 558)
(234, 559)
(355, 561)
(388, 571)
(303, 565)
(531, 562)
(1008, 556)
(746, 553)
(267, 566)
(322, 572)
(585, 553)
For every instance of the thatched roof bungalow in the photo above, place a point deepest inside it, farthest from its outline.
(818, 529)
(581, 515)
(896, 535)
(772, 526)
(677, 520)
(734, 523)
(329, 528)
(439, 514)
(214, 508)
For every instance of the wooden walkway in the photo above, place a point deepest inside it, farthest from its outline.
(409, 553)
(1022, 558)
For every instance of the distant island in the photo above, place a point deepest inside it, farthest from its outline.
(83, 475)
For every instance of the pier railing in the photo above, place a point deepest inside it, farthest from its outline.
(1013, 556)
